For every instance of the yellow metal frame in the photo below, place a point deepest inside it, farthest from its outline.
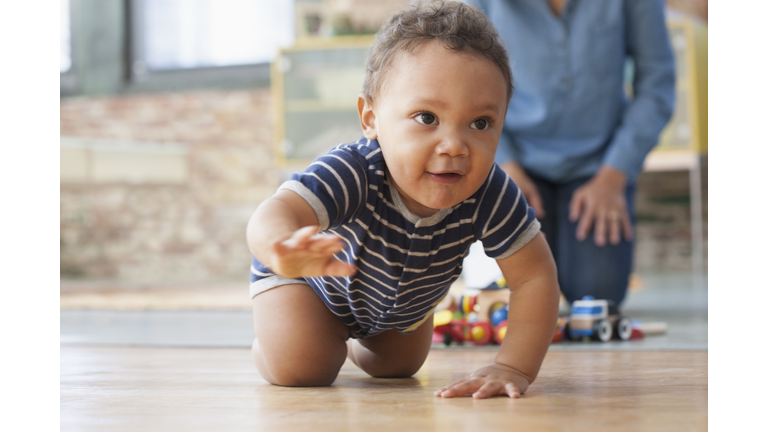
(278, 90)
(696, 81)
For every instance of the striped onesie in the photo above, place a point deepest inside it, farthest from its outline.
(405, 264)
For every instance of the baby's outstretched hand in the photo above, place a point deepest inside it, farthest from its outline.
(496, 379)
(307, 253)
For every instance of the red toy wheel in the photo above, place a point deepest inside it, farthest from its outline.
(481, 333)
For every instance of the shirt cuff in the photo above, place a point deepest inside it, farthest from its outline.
(311, 199)
(524, 238)
(624, 156)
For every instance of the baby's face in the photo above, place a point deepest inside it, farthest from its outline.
(438, 119)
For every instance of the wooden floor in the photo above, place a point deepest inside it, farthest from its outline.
(187, 389)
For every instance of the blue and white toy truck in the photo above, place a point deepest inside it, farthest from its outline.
(596, 319)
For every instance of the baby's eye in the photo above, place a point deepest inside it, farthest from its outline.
(425, 118)
(480, 124)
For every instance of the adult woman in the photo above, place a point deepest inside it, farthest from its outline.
(573, 141)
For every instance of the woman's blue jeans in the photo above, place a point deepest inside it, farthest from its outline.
(583, 267)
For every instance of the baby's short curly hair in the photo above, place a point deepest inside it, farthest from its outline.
(458, 26)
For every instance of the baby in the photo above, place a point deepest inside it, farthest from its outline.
(353, 254)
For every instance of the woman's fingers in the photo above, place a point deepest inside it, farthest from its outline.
(626, 224)
(574, 208)
(535, 201)
(585, 222)
(600, 228)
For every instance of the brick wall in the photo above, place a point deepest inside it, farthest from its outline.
(192, 230)
(195, 230)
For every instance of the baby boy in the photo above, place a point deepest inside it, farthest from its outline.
(353, 254)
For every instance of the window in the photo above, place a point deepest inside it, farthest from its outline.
(207, 40)
(68, 83)
(65, 37)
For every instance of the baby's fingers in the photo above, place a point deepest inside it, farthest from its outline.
(302, 236)
(512, 391)
(325, 244)
(491, 388)
(445, 389)
(460, 388)
(339, 268)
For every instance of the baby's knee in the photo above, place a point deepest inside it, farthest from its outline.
(295, 368)
(395, 372)
(393, 369)
(301, 376)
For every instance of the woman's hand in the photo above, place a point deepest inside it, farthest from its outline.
(526, 185)
(493, 380)
(601, 203)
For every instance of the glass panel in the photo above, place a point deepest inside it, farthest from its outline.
(181, 34)
(320, 89)
(64, 37)
(325, 74)
(311, 134)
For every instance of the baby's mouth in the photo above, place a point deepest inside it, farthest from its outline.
(446, 177)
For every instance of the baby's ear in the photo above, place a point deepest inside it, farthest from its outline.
(367, 116)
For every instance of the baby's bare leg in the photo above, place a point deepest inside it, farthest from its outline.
(299, 342)
(392, 354)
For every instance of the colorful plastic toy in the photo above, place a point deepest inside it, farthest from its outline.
(596, 319)
(447, 329)
(499, 315)
(484, 310)
(480, 333)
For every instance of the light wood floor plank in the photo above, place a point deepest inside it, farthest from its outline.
(111, 388)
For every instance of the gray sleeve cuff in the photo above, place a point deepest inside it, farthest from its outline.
(523, 239)
(311, 199)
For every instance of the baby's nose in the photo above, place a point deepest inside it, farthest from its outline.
(453, 145)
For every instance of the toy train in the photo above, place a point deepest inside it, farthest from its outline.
(481, 318)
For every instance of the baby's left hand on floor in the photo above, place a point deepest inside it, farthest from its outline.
(493, 380)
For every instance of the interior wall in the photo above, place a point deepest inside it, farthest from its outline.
(188, 226)
(160, 186)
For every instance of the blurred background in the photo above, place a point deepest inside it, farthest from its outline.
(178, 117)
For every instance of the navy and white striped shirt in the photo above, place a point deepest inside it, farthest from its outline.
(405, 264)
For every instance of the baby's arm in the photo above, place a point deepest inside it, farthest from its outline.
(282, 234)
(533, 305)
